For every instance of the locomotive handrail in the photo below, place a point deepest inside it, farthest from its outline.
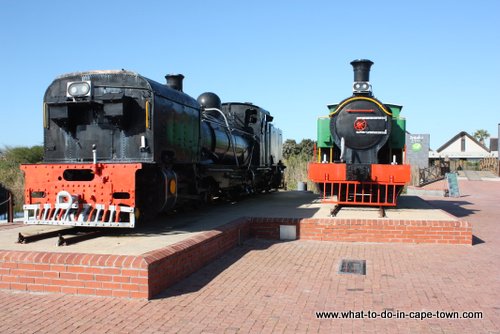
(231, 137)
(221, 113)
(216, 121)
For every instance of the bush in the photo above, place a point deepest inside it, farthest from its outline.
(10, 174)
(296, 158)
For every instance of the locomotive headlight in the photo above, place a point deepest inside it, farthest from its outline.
(361, 87)
(78, 89)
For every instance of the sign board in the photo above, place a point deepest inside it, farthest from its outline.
(452, 181)
(417, 149)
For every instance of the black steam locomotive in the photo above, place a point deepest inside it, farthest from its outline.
(361, 148)
(119, 146)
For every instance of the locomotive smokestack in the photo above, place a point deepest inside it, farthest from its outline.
(174, 81)
(361, 69)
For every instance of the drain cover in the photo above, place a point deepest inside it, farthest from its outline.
(356, 267)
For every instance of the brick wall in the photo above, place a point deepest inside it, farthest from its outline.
(368, 230)
(141, 276)
(84, 274)
(171, 264)
(146, 275)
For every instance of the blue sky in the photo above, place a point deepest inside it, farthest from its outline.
(439, 59)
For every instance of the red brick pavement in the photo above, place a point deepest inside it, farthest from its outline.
(266, 286)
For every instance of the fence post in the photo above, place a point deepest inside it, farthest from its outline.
(7, 198)
(10, 213)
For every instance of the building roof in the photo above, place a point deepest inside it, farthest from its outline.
(459, 136)
(463, 145)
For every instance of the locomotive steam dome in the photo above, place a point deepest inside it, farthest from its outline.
(209, 100)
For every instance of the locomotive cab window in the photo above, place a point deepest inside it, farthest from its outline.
(71, 116)
(251, 116)
(128, 114)
(125, 114)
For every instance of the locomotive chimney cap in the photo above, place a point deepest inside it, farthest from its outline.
(361, 69)
(174, 81)
(362, 61)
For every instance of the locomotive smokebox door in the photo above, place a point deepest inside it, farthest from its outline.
(358, 172)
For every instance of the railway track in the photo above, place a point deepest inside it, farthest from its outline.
(338, 207)
(65, 237)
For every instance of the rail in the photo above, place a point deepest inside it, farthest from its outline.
(77, 235)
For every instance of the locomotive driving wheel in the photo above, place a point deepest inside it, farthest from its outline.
(149, 193)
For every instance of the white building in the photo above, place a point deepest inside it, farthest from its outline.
(463, 146)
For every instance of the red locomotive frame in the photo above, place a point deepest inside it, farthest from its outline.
(387, 181)
(107, 199)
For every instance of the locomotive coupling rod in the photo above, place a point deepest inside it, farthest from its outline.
(335, 210)
(82, 236)
(25, 239)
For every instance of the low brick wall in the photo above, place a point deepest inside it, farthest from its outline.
(142, 276)
(83, 274)
(171, 264)
(146, 275)
(368, 230)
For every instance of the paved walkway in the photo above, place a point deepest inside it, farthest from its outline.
(268, 286)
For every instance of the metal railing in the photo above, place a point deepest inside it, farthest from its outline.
(6, 203)
(360, 193)
(432, 174)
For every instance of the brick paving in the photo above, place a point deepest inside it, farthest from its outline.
(276, 287)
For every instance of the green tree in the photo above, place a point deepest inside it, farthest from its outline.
(10, 174)
(481, 135)
(22, 155)
(307, 148)
(289, 148)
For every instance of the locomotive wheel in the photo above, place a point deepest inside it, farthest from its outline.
(207, 197)
(149, 193)
(207, 191)
(137, 214)
(233, 195)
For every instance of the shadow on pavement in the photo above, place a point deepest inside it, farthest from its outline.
(455, 208)
(477, 240)
(201, 278)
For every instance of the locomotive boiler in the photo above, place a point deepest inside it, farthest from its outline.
(119, 146)
(360, 148)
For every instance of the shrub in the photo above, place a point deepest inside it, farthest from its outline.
(10, 174)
